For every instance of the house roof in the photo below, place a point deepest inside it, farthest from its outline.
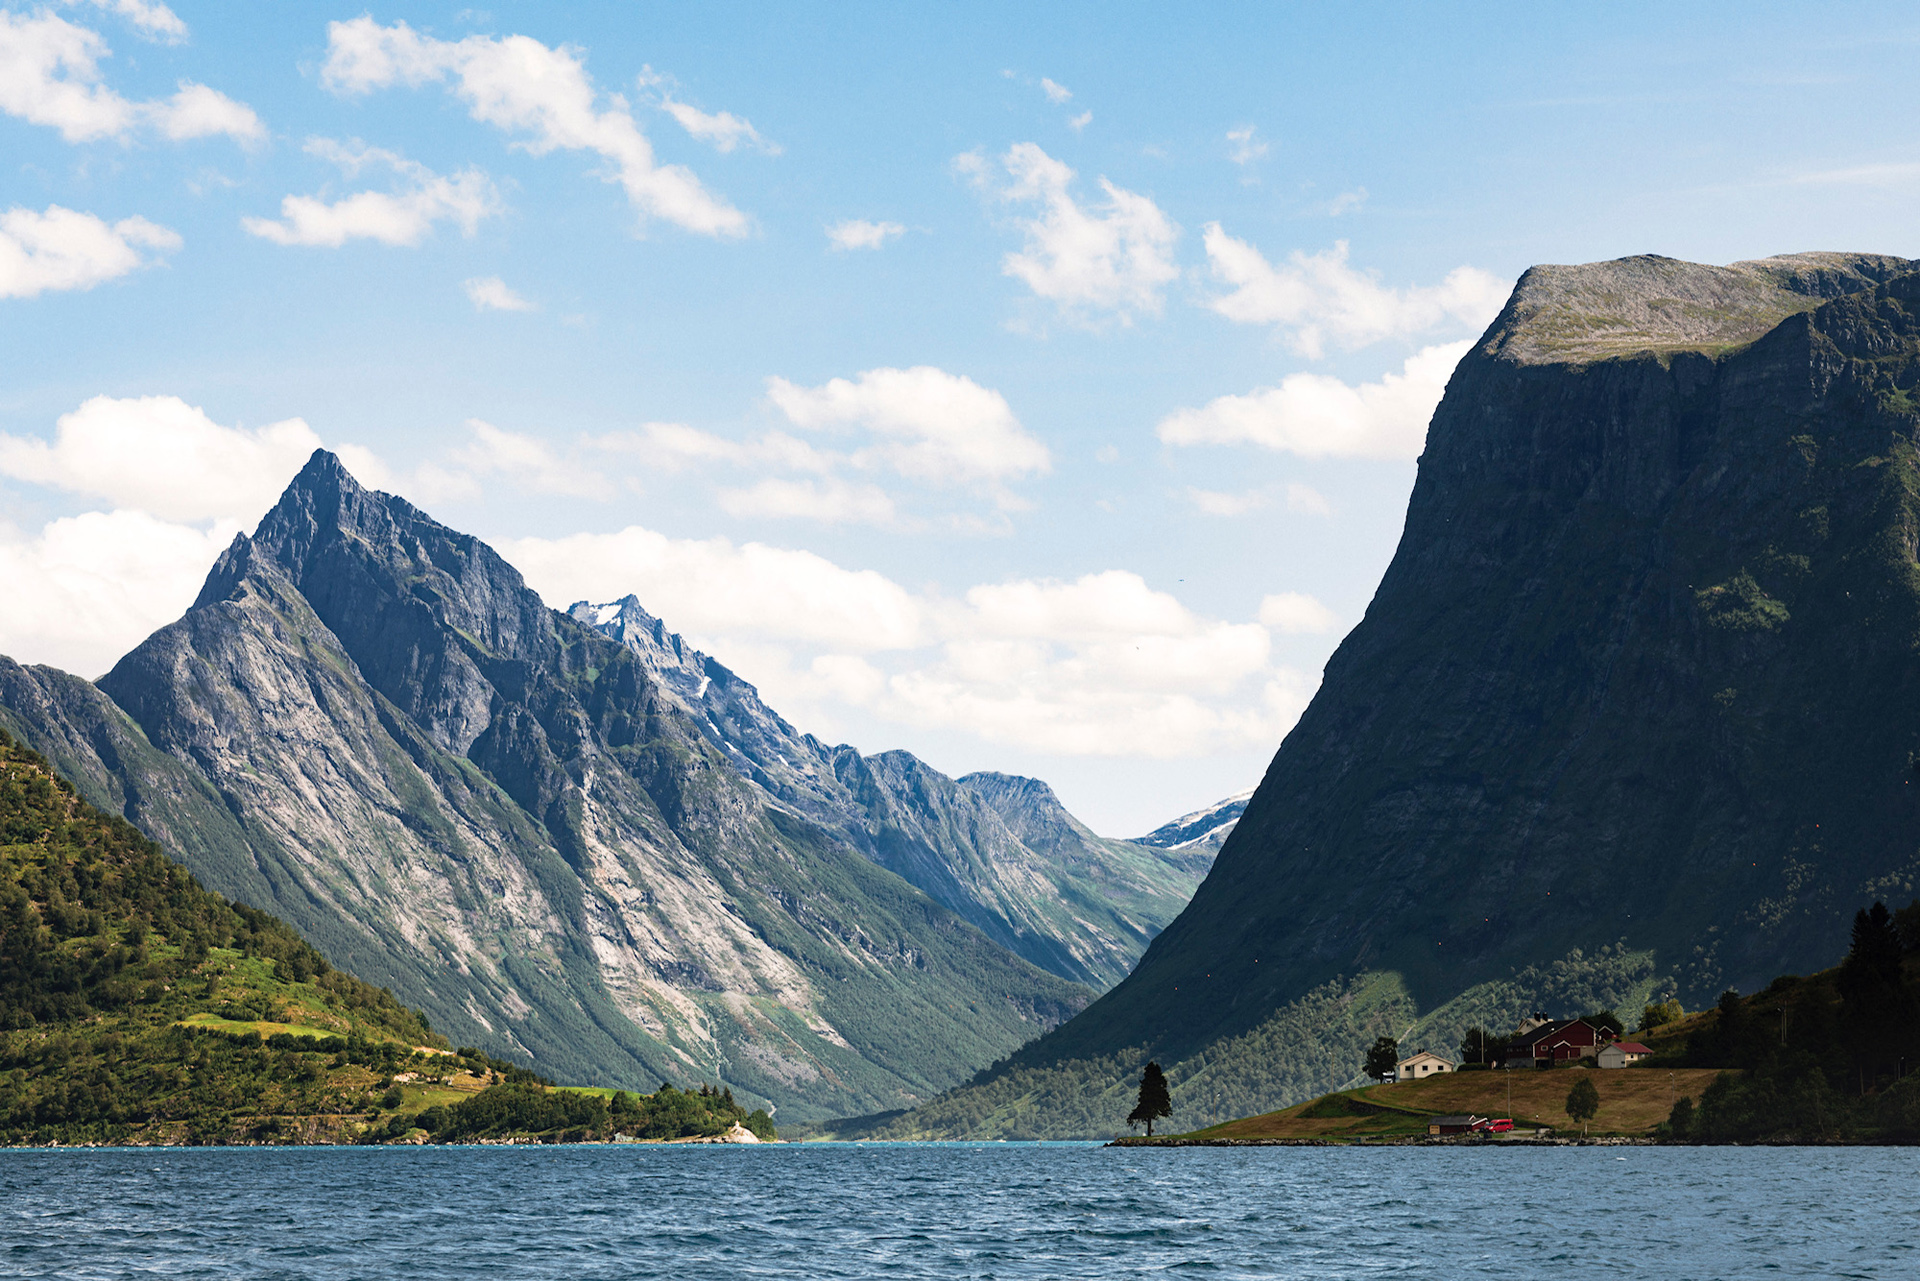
(1425, 1054)
(1631, 1047)
(1453, 1120)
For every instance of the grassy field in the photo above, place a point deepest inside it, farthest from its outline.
(1632, 1101)
(219, 1024)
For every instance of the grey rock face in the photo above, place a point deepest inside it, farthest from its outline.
(370, 726)
(1000, 851)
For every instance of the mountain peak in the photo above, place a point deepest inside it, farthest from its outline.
(1576, 314)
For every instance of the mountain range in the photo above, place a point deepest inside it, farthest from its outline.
(1634, 712)
(570, 839)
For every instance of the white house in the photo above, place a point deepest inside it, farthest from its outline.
(1421, 1065)
(1621, 1053)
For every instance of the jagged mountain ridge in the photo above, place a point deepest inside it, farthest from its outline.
(1642, 671)
(999, 850)
(1204, 830)
(369, 725)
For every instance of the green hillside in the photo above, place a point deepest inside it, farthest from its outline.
(136, 1007)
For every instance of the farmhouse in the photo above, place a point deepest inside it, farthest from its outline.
(1421, 1066)
(1556, 1041)
(1621, 1053)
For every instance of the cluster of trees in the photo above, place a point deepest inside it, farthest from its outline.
(96, 919)
(1822, 1058)
(523, 1110)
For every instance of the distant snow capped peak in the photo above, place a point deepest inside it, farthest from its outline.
(604, 614)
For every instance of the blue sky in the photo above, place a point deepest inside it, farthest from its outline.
(1035, 390)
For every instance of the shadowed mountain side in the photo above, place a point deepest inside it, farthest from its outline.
(1642, 670)
(999, 850)
(494, 810)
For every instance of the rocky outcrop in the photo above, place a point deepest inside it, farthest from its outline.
(999, 850)
(370, 726)
(1203, 831)
(1643, 667)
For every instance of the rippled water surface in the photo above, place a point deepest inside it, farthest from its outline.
(993, 1210)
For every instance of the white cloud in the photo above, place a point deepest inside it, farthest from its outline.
(541, 94)
(199, 112)
(88, 588)
(162, 456)
(1297, 614)
(715, 588)
(722, 130)
(1247, 145)
(1319, 296)
(1213, 502)
(830, 501)
(1079, 122)
(932, 426)
(1318, 416)
(1056, 93)
(1102, 665)
(857, 233)
(152, 20)
(490, 293)
(401, 217)
(1346, 201)
(50, 75)
(64, 249)
(1302, 498)
(1116, 257)
(529, 462)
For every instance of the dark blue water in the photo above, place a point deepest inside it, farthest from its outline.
(995, 1210)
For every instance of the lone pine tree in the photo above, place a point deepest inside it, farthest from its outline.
(1154, 1101)
(1383, 1060)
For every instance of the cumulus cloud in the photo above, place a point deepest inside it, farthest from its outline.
(830, 501)
(1056, 93)
(1295, 613)
(1079, 122)
(1310, 501)
(162, 456)
(722, 130)
(1318, 416)
(401, 217)
(1319, 297)
(541, 95)
(716, 588)
(930, 425)
(50, 75)
(152, 20)
(529, 461)
(1114, 257)
(1100, 665)
(490, 293)
(88, 588)
(63, 249)
(857, 233)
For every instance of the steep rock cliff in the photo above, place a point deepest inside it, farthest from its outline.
(1645, 669)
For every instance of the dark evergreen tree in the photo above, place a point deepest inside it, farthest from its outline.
(1583, 1100)
(1155, 1099)
(1680, 1120)
(1473, 1046)
(1383, 1060)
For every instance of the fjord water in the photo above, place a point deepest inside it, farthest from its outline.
(954, 1210)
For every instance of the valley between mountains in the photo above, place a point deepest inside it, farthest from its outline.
(572, 840)
(1634, 715)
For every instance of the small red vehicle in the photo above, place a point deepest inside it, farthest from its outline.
(1499, 1125)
